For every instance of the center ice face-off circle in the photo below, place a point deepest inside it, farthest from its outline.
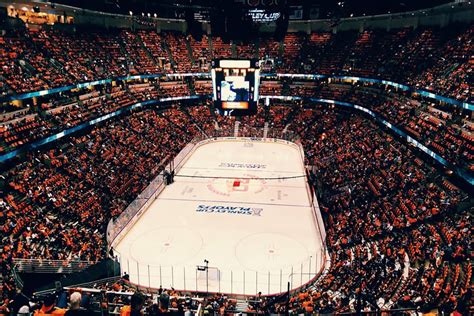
(248, 184)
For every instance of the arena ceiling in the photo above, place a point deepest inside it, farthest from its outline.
(309, 8)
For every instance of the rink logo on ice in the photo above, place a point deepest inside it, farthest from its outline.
(235, 186)
(238, 210)
(242, 165)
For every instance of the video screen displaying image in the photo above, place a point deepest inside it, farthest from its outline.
(235, 86)
(235, 91)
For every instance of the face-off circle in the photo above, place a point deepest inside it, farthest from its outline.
(246, 184)
(270, 251)
(169, 243)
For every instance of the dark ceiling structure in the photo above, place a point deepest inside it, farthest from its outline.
(309, 9)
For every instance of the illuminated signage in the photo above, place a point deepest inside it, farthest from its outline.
(259, 15)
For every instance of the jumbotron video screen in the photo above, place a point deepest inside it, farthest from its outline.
(235, 86)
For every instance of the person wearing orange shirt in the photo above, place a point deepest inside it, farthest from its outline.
(135, 307)
(125, 310)
(49, 307)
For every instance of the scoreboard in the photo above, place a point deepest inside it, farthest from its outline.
(235, 84)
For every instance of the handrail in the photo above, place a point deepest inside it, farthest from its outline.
(89, 285)
(381, 311)
(50, 266)
(18, 281)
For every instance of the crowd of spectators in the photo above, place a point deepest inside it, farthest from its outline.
(390, 217)
(62, 303)
(434, 59)
(446, 130)
(57, 203)
(117, 296)
(48, 119)
(398, 230)
(396, 233)
(438, 60)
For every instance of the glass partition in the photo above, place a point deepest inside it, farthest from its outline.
(206, 277)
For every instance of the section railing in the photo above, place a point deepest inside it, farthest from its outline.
(50, 266)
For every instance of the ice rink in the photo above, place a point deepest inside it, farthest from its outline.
(227, 207)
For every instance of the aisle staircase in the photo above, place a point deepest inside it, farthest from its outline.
(165, 46)
(139, 40)
(190, 50)
(233, 48)
(265, 130)
(236, 128)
